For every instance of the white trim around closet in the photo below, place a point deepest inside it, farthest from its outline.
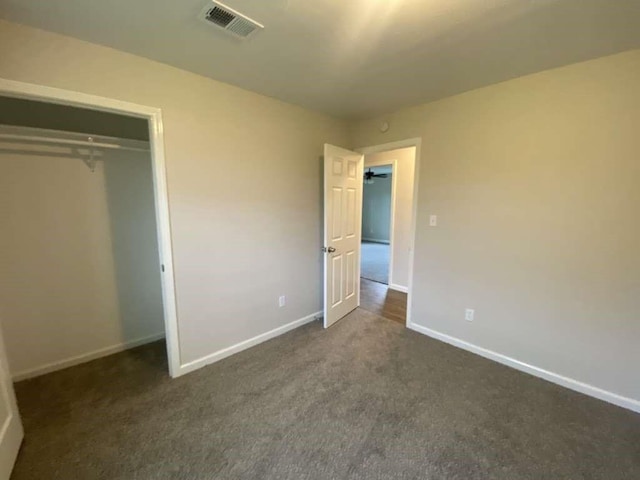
(12, 88)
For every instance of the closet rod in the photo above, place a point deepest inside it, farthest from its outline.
(92, 141)
(87, 143)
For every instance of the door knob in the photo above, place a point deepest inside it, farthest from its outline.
(329, 249)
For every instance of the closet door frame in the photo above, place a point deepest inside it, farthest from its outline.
(12, 88)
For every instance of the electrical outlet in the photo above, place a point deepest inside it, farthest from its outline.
(282, 301)
(433, 221)
(469, 314)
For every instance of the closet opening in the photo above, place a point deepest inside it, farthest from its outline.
(81, 253)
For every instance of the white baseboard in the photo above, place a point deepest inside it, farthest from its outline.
(399, 288)
(376, 240)
(238, 347)
(614, 398)
(85, 357)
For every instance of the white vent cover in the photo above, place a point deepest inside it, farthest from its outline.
(228, 19)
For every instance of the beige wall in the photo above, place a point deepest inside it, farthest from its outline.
(243, 182)
(78, 255)
(536, 183)
(403, 214)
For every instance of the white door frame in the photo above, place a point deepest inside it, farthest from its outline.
(392, 218)
(410, 142)
(12, 88)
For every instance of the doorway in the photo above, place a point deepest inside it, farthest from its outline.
(79, 240)
(82, 211)
(344, 178)
(377, 211)
(156, 218)
(87, 152)
(387, 229)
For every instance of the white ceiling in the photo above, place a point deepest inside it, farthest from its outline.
(352, 58)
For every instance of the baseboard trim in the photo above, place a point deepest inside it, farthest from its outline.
(614, 398)
(376, 240)
(252, 342)
(399, 288)
(85, 357)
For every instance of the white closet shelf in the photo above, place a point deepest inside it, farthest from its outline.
(59, 137)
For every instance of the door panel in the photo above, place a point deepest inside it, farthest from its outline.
(342, 219)
(11, 432)
(336, 281)
(337, 215)
(350, 274)
(351, 212)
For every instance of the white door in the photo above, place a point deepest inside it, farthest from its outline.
(10, 426)
(343, 172)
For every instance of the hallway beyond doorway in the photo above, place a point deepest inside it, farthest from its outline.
(374, 262)
(380, 299)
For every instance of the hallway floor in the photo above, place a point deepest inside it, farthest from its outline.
(374, 262)
(380, 299)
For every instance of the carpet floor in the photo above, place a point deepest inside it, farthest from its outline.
(366, 399)
(374, 261)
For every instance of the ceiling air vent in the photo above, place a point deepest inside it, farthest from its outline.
(229, 20)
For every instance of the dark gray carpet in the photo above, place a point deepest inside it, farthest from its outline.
(374, 261)
(366, 399)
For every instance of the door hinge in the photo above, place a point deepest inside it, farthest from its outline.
(162, 267)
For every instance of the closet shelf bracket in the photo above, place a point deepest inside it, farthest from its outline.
(91, 161)
(92, 144)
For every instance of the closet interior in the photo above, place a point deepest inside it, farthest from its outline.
(80, 276)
